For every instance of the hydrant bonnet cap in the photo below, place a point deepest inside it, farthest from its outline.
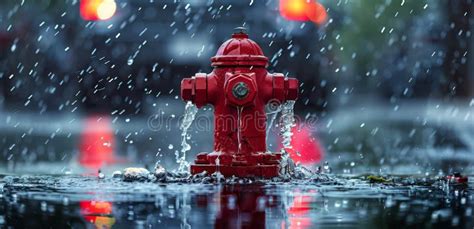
(239, 51)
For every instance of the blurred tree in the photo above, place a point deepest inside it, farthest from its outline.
(404, 48)
(372, 41)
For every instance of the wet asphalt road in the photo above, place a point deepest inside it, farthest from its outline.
(67, 201)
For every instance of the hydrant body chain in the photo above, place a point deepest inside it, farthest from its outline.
(239, 87)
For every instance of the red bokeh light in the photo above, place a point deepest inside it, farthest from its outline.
(96, 147)
(303, 10)
(93, 10)
(305, 149)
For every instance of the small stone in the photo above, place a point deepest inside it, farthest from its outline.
(218, 177)
(231, 180)
(160, 171)
(182, 175)
(200, 175)
(100, 175)
(206, 180)
(170, 174)
(276, 179)
(135, 174)
(117, 174)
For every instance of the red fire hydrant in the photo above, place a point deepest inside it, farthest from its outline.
(239, 87)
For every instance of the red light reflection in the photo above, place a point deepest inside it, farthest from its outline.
(98, 213)
(298, 213)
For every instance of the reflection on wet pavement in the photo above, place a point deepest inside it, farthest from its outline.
(88, 202)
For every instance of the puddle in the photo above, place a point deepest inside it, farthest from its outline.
(356, 202)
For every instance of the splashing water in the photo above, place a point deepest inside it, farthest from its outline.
(189, 115)
(273, 115)
(287, 122)
(239, 114)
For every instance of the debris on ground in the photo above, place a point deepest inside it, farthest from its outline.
(377, 179)
(136, 174)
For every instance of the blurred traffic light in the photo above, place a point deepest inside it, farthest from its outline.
(303, 10)
(93, 10)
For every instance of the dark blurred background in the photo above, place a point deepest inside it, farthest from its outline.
(402, 71)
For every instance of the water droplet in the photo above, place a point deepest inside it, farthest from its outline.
(44, 206)
(65, 201)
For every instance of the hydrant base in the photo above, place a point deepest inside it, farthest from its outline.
(264, 171)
